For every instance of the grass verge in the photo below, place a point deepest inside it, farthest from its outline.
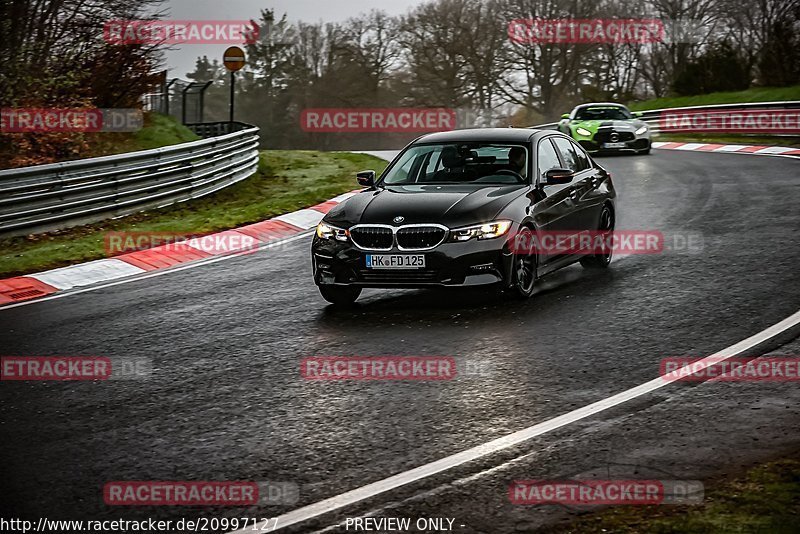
(158, 131)
(37, 148)
(755, 94)
(285, 181)
(765, 499)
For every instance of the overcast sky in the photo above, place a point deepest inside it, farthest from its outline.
(182, 59)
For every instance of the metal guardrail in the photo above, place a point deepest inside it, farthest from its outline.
(653, 116)
(60, 195)
(215, 129)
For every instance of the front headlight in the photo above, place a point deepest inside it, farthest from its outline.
(583, 131)
(641, 131)
(326, 231)
(481, 231)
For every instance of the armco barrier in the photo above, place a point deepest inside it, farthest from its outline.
(54, 196)
(714, 118)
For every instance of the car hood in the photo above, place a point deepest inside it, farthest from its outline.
(451, 205)
(618, 125)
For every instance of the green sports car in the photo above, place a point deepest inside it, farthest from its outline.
(606, 127)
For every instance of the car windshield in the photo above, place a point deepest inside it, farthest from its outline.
(603, 113)
(478, 163)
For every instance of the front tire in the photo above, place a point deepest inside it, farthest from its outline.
(606, 229)
(340, 295)
(523, 269)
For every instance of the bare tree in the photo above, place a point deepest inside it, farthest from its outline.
(754, 28)
(370, 41)
(663, 61)
(546, 77)
(52, 50)
(434, 43)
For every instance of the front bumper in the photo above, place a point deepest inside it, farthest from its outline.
(595, 146)
(470, 263)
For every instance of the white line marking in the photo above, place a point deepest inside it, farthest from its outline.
(305, 218)
(691, 146)
(401, 479)
(153, 274)
(85, 274)
(730, 148)
(775, 150)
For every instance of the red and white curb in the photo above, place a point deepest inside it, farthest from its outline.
(757, 150)
(32, 286)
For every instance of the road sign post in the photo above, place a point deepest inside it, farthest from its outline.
(230, 105)
(233, 60)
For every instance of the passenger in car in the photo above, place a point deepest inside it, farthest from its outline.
(516, 159)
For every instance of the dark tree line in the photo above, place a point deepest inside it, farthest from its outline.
(443, 53)
(457, 54)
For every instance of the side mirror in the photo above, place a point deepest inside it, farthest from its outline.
(366, 178)
(565, 116)
(637, 114)
(557, 177)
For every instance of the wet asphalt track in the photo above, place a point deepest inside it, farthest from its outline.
(226, 401)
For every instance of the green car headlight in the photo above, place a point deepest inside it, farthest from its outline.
(583, 131)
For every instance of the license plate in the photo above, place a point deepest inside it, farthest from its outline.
(613, 145)
(395, 261)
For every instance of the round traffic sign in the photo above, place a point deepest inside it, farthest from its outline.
(233, 58)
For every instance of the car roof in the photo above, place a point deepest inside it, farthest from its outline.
(602, 104)
(484, 135)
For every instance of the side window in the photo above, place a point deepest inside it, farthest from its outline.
(583, 159)
(547, 158)
(567, 153)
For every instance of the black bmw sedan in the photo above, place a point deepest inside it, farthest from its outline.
(451, 208)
